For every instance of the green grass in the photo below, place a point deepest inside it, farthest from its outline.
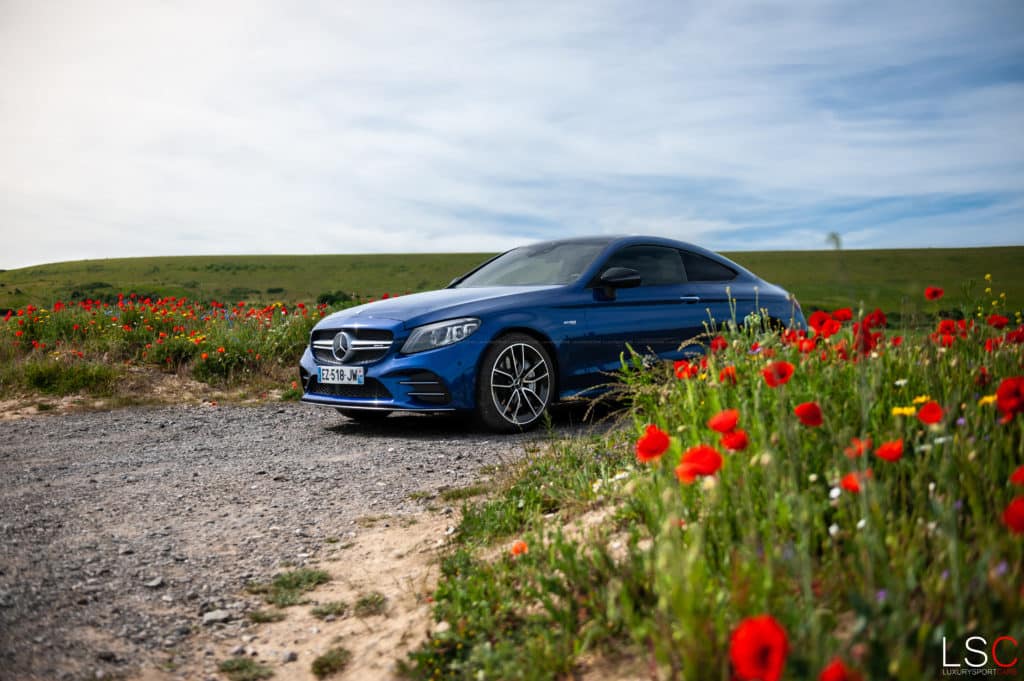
(370, 604)
(541, 485)
(460, 493)
(287, 589)
(331, 662)
(668, 571)
(251, 278)
(333, 608)
(244, 669)
(52, 377)
(890, 279)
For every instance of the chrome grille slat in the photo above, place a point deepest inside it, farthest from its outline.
(426, 387)
(367, 345)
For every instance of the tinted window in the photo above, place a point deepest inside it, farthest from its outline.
(538, 265)
(699, 268)
(657, 265)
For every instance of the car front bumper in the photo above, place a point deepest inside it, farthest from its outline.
(440, 380)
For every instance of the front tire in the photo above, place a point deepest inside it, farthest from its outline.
(516, 384)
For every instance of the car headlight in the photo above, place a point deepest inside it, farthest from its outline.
(439, 334)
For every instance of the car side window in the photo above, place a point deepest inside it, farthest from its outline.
(657, 265)
(700, 268)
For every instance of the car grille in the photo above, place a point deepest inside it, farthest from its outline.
(372, 389)
(370, 345)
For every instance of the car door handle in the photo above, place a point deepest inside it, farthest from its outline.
(690, 299)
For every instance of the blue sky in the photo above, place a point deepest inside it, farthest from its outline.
(167, 128)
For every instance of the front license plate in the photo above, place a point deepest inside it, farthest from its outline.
(342, 375)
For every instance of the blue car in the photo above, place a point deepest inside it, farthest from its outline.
(533, 326)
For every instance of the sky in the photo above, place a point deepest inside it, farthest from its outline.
(175, 127)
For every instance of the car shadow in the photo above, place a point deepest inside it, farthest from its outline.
(582, 418)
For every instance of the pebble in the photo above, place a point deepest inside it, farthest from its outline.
(217, 616)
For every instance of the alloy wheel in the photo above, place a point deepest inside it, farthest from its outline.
(520, 384)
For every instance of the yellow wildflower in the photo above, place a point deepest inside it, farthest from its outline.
(903, 411)
(988, 277)
(921, 399)
(987, 399)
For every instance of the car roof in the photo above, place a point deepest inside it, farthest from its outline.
(626, 240)
(620, 240)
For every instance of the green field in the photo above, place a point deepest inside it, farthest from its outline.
(890, 279)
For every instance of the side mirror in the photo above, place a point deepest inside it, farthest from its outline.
(620, 277)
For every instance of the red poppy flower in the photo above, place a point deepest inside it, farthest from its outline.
(930, 413)
(809, 414)
(853, 482)
(697, 461)
(857, 447)
(933, 293)
(896, 341)
(652, 444)
(735, 440)
(1017, 478)
(837, 671)
(685, 369)
(997, 321)
(519, 548)
(777, 373)
(843, 314)
(818, 320)
(1013, 515)
(758, 649)
(890, 451)
(875, 319)
(203, 356)
(727, 375)
(718, 343)
(1010, 397)
(724, 421)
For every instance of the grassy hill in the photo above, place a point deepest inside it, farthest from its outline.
(890, 279)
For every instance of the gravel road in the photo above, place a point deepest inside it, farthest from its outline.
(120, 530)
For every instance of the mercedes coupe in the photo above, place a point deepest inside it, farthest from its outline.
(536, 325)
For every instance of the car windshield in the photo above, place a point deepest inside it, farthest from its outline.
(546, 264)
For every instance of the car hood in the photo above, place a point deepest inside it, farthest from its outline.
(422, 308)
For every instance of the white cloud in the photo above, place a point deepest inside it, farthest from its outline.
(272, 127)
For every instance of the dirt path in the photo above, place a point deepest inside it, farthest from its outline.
(120, 531)
(395, 559)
